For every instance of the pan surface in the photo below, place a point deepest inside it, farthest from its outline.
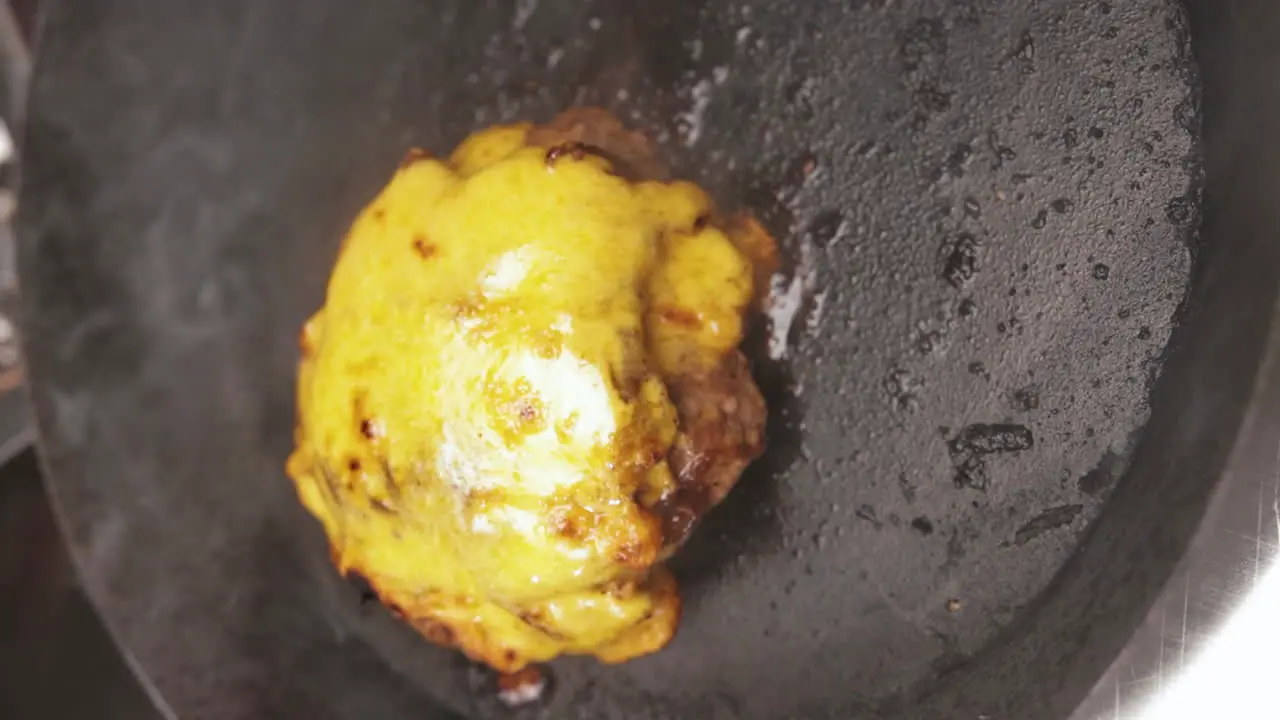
(988, 212)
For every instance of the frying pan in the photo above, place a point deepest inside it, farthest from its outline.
(1008, 368)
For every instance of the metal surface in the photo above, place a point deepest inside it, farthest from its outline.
(173, 186)
(16, 432)
(56, 660)
(1202, 645)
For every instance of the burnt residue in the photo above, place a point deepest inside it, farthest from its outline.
(679, 316)
(1180, 210)
(1050, 519)
(955, 165)
(523, 695)
(1103, 475)
(902, 388)
(368, 427)
(1026, 399)
(972, 447)
(825, 229)
(414, 155)
(765, 198)
(423, 248)
(932, 99)
(988, 439)
(922, 525)
(868, 513)
(362, 587)
(961, 264)
(575, 150)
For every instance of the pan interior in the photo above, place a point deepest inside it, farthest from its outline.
(988, 214)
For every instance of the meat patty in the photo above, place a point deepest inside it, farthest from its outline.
(721, 411)
(722, 421)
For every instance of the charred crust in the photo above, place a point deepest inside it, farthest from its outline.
(679, 515)
(413, 156)
(370, 428)
(435, 631)
(526, 677)
(576, 150)
(630, 554)
(535, 620)
(567, 528)
(679, 316)
(654, 456)
(305, 345)
(630, 153)
(423, 248)
(571, 522)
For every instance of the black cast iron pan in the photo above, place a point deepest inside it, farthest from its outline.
(989, 213)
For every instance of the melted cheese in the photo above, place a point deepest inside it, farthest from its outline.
(481, 397)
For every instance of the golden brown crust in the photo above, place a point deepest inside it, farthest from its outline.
(597, 130)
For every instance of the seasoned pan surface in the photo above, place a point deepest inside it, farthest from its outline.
(987, 212)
